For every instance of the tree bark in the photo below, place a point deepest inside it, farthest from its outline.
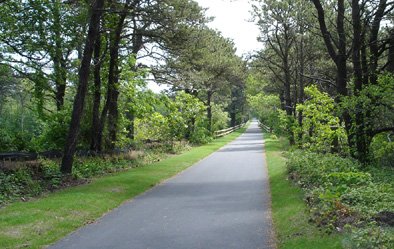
(59, 64)
(301, 82)
(374, 42)
(390, 59)
(111, 106)
(79, 100)
(96, 139)
(209, 110)
(137, 45)
(339, 57)
(360, 135)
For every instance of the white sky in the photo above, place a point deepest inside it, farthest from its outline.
(232, 20)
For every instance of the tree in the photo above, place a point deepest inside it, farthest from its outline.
(71, 142)
(366, 18)
(136, 26)
(39, 40)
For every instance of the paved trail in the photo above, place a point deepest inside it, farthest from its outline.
(221, 202)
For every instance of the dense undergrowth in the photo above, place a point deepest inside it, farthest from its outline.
(24, 180)
(345, 196)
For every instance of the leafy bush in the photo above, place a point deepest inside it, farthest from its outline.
(18, 183)
(53, 131)
(311, 169)
(51, 175)
(25, 180)
(220, 119)
(321, 130)
(338, 191)
(200, 134)
(370, 237)
(370, 199)
(382, 150)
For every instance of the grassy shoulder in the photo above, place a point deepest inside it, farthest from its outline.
(288, 208)
(43, 221)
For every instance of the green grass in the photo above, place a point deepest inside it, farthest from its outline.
(288, 208)
(43, 221)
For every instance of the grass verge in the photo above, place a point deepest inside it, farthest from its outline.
(43, 221)
(288, 208)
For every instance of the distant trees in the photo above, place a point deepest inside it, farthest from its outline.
(203, 66)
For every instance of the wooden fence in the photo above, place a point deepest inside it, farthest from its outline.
(266, 128)
(224, 132)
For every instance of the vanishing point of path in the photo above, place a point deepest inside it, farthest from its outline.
(222, 202)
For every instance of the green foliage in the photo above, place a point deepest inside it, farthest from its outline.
(374, 104)
(382, 150)
(267, 109)
(285, 124)
(32, 179)
(338, 193)
(370, 199)
(153, 127)
(310, 169)
(173, 120)
(89, 167)
(293, 228)
(321, 129)
(18, 183)
(220, 119)
(371, 237)
(51, 175)
(53, 131)
(201, 134)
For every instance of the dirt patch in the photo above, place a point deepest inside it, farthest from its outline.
(385, 218)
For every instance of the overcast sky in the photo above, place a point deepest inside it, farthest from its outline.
(232, 20)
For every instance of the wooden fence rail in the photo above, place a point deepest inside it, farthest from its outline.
(224, 132)
(266, 128)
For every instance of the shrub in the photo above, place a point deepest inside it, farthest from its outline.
(370, 199)
(18, 183)
(370, 237)
(321, 130)
(338, 192)
(310, 169)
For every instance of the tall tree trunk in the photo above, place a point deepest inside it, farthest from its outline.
(59, 64)
(209, 110)
(113, 80)
(95, 144)
(288, 101)
(374, 41)
(72, 138)
(301, 82)
(192, 121)
(339, 57)
(233, 119)
(130, 115)
(390, 59)
(360, 135)
(287, 86)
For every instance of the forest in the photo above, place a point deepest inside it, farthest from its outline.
(74, 81)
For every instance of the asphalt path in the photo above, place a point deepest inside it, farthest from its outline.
(221, 202)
